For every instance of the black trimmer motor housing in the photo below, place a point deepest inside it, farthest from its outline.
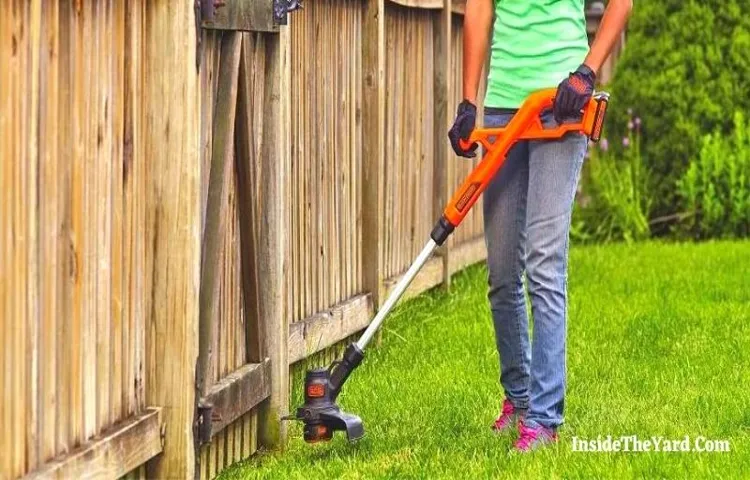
(320, 414)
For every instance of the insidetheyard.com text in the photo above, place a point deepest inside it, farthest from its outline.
(632, 443)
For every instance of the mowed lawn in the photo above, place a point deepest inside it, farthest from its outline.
(658, 345)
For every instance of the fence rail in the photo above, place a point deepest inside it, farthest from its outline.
(187, 213)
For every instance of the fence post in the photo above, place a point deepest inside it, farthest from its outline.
(373, 142)
(444, 173)
(274, 226)
(172, 148)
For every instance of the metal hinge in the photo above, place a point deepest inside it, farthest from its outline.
(204, 10)
(242, 15)
(204, 423)
(282, 7)
(208, 8)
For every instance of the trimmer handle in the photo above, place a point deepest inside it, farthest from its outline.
(590, 124)
(526, 124)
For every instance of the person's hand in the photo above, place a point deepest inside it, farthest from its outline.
(573, 94)
(466, 119)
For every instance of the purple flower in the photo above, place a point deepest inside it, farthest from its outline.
(637, 122)
(630, 125)
(625, 142)
(603, 145)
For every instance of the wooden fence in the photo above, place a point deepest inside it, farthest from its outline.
(186, 215)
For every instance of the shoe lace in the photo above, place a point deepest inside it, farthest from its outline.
(527, 436)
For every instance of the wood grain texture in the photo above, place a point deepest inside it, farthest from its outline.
(7, 283)
(326, 155)
(111, 454)
(239, 333)
(373, 81)
(325, 329)
(244, 15)
(236, 394)
(249, 133)
(220, 176)
(172, 121)
(274, 223)
(409, 147)
(62, 125)
(443, 118)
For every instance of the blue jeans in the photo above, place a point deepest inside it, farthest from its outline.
(527, 209)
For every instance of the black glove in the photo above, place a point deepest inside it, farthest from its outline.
(466, 119)
(573, 93)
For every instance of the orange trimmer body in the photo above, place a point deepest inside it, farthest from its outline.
(526, 124)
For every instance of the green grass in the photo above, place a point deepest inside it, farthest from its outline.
(658, 344)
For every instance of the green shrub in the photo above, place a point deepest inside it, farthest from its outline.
(715, 189)
(685, 68)
(614, 201)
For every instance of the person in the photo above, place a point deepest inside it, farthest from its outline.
(527, 206)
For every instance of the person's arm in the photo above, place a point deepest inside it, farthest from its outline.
(613, 23)
(477, 26)
(576, 90)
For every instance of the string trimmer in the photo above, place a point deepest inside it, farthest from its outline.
(320, 413)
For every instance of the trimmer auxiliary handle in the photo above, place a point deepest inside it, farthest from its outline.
(320, 413)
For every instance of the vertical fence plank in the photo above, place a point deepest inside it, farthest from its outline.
(87, 137)
(50, 235)
(117, 39)
(373, 153)
(250, 127)
(78, 239)
(103, 208)
(171, 144)
(137, 230)
(33, 23)
(18, 327)
(65, 363)
(443, 96)
(6, 53)
(274, 225)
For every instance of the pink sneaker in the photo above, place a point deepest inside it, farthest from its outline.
(509, 417)
(532, 438)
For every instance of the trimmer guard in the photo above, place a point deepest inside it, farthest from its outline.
(333, 419)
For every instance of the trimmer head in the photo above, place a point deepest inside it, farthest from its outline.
(320, 414)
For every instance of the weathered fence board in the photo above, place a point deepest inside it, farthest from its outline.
(111, 454)
(228, 314)
(326, 156)
(171, 110)
(68, 161)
